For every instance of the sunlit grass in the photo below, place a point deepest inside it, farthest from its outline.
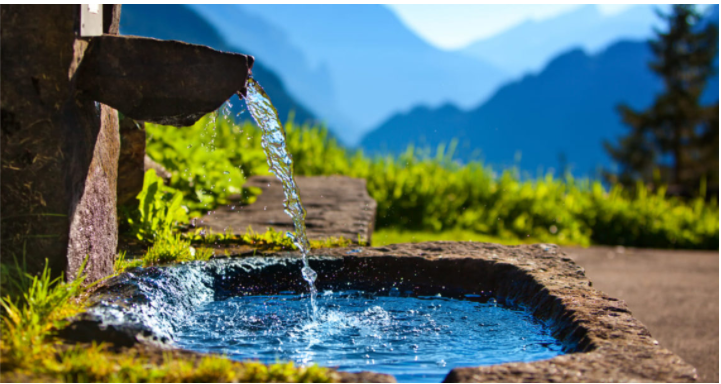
(419, 192)
(270, 240)
(32, 307)
(168, 249)
(96, 363)
(387, 236)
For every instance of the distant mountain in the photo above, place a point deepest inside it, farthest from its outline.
(179, 22)
(377, 66)
(530, 46)
(564, 112)
(273, 48)
(557, 117)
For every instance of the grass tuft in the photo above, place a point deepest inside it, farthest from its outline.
(166, 250)
(29, 318)
(270, 240)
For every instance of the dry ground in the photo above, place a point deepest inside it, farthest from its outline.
(674, 293)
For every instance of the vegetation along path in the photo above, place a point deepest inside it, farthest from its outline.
(674, 293)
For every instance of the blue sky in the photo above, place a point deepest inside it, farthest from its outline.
(455, 26)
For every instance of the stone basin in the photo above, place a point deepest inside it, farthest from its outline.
(603, 341)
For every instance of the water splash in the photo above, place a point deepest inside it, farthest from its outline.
(415, 339)
(200, 306)
(280, 162)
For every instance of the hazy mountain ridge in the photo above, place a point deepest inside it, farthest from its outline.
(179, 22)
(573, 100)
(272, 47)
(537, 42)
(376, 64)
(571, 104)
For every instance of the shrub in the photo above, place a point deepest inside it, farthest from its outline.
(419, 192)
(209, 160)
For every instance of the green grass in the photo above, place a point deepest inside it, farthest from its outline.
(387, 236)
(159, 211)
(168, 249)
(173, 249)
(270, 240)
(418, 192)
(98, 364)
(33, 306)
(198, 246)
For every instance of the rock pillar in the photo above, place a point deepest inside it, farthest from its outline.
(59, 151)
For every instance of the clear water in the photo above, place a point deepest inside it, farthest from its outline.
(414, 339)
(280, 162)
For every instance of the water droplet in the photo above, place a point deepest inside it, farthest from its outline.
(309, 275)
(190, 146)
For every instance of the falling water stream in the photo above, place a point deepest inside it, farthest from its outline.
(281, 165)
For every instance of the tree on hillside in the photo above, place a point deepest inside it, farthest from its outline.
(675, 141)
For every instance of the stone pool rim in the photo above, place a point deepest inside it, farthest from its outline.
(604, 342)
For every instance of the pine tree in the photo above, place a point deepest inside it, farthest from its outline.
(675, 141)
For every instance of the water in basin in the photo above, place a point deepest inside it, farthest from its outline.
(414, 339)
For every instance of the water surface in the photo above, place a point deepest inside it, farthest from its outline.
(414, 339)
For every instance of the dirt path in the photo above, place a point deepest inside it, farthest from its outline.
(674, 293)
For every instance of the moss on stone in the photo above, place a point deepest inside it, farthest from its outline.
(100, 363)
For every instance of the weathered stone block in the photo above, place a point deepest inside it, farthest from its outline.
(162, 81)
(336, 206)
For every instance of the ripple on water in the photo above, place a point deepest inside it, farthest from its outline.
(415, 339)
